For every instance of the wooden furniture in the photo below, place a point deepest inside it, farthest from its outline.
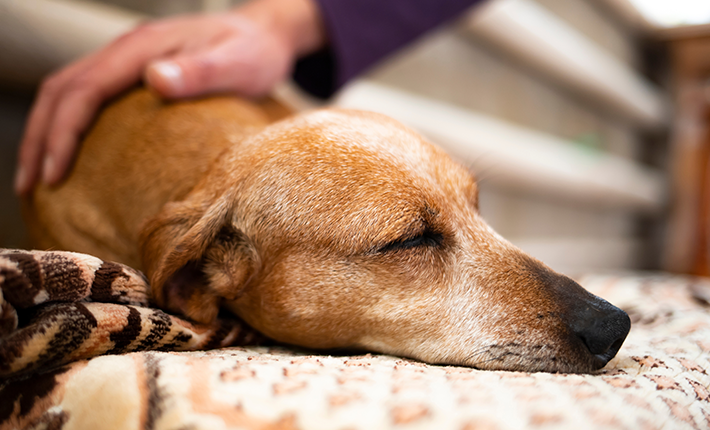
(688, 235)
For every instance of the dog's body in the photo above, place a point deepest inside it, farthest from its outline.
(332, 229)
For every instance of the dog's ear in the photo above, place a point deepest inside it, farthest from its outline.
(195, 258)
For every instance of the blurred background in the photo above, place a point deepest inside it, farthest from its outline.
(587, 122)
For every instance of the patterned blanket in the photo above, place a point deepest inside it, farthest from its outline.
(59, 307)
(51, 315)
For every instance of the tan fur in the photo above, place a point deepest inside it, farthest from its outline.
(288, 225)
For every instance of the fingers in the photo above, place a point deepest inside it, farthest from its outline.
(248, 62)
(72, 116)
(68, 101)
(167, 78)
(194, 75)
(216, 70)
(80, 99)
(32, 147)
(183, 57)
(113, 71)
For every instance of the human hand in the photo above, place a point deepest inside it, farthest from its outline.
(248, 51)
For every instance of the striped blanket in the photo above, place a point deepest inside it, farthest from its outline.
(59, 307)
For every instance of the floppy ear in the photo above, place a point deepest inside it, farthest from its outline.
(194, 258)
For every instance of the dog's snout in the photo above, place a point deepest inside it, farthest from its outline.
(602, 328)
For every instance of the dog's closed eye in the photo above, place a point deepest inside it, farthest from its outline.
(426, 238)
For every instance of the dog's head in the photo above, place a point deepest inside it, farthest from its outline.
(346, 229)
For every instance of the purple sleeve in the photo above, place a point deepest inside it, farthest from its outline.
(361, 32)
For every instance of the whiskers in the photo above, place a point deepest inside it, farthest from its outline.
(488, 354)
(511, 356)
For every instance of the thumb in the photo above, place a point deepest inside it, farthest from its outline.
(220, 69)
(166, 77)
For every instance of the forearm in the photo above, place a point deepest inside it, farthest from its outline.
(362, 32)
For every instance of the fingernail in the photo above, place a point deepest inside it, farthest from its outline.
(20, 180)
(170, 72)
(48, 169)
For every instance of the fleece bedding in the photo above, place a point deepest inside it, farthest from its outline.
(82, 347)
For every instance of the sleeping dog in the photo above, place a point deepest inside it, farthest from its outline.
(331, 229)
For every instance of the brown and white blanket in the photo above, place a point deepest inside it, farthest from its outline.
(59, 307)
(62, 308)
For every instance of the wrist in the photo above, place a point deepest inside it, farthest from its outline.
(296, 23)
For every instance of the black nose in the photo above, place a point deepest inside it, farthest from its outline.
(602, 328)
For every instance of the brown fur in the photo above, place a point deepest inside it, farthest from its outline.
(301, 228)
